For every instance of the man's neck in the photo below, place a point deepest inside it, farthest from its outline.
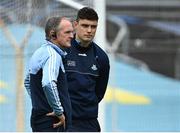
(57, 44)
(82, 43)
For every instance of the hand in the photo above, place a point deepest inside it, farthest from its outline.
(61, 120)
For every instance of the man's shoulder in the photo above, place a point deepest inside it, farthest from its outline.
(100, 52)
(98, 47)
(102, 58)
(50, 51)
(40, 54)
(44, 52)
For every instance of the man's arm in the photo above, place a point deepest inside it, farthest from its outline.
(49, 82)
(27, 83)
(102, 81)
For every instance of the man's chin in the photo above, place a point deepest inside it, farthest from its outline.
(67, 45)
(88, 40)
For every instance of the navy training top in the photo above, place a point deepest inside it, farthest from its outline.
(87, 72)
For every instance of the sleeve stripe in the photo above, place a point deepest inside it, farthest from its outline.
(52, 68)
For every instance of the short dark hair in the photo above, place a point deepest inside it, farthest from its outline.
(52, 24)
(87, 13)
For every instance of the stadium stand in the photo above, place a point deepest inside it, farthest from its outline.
(148, 41)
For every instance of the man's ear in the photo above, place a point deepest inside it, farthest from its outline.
(53, 34)
(75, 23)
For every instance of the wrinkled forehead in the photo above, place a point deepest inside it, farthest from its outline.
(65, 23)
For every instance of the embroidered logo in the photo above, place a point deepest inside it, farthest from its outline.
(82, 54)
(94, 67)
(71, 63)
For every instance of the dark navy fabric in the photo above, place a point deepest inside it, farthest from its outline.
(91, 125)
(87, 72)
(39, 120)
(42, 123)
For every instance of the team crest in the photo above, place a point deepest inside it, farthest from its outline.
(94, 67)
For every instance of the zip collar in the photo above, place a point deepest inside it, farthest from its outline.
(77, 45)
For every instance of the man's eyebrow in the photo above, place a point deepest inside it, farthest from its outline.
(68, 31)
(90, 24)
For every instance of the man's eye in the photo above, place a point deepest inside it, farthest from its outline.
(85, 26)
(93, 26)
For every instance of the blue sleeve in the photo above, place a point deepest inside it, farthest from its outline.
(27, 83)
(49, 81)
(102, 81)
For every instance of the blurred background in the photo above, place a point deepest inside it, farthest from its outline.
(142, 39)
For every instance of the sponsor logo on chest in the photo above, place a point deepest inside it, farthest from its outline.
(82, 54)
(71, 63)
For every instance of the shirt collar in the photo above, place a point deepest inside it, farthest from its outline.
(78, 42)
(58, 49)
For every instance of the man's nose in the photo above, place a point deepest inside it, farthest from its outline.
(89, 29)
(71, 34)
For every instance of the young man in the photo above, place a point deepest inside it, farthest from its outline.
(46, 80)
(87, 68)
